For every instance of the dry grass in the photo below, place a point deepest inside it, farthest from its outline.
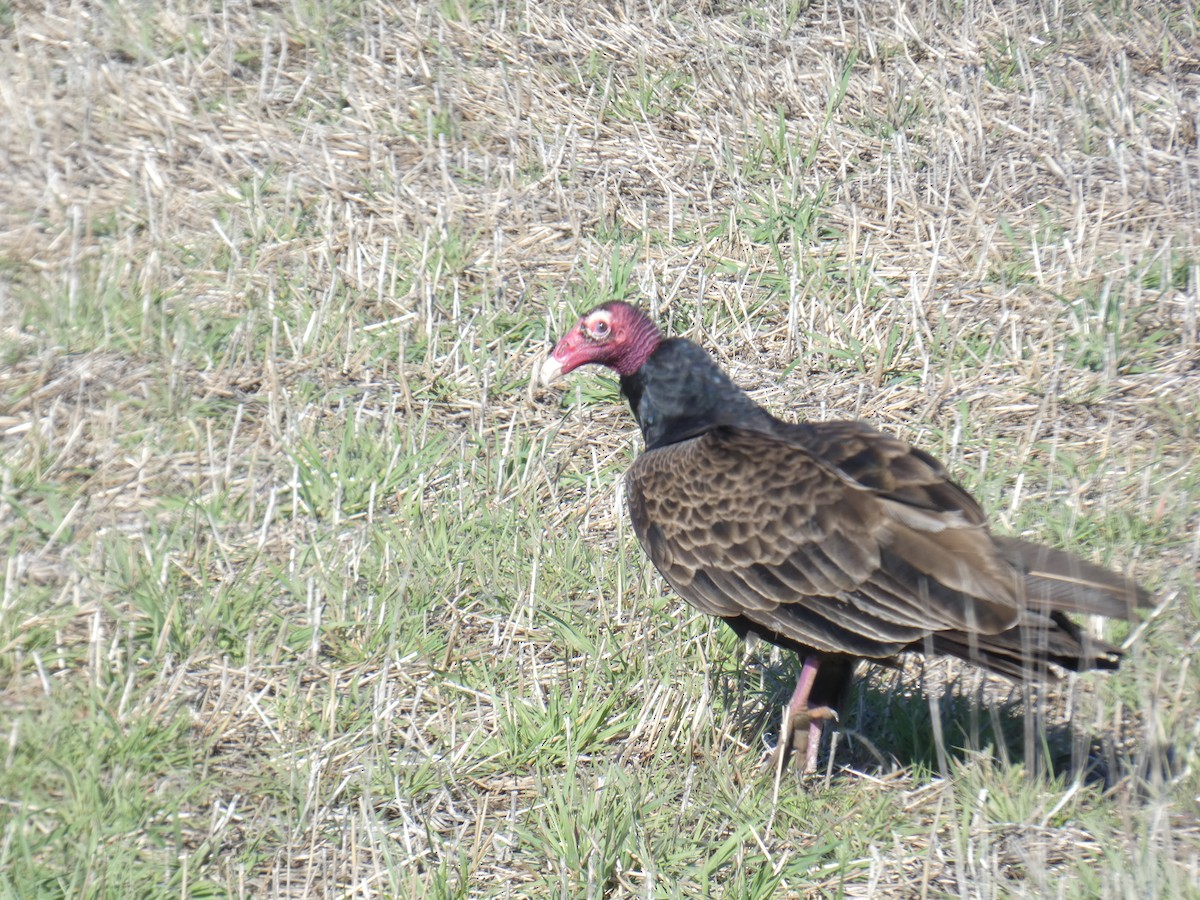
(309, 594)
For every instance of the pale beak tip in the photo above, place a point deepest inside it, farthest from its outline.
(549, 371)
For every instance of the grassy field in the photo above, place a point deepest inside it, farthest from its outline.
(307, 592)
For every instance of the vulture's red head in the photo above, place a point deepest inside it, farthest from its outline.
(614, 334)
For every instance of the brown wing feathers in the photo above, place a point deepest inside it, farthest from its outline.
(1061, 581)
(868, 560)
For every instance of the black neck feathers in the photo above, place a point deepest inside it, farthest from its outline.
(681, 393)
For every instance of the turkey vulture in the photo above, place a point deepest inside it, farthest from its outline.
(831, 539)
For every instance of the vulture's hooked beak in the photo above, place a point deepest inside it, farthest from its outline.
(549, 371)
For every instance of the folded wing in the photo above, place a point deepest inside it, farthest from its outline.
(843, 540)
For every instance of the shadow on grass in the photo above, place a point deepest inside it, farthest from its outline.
(897, 719)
